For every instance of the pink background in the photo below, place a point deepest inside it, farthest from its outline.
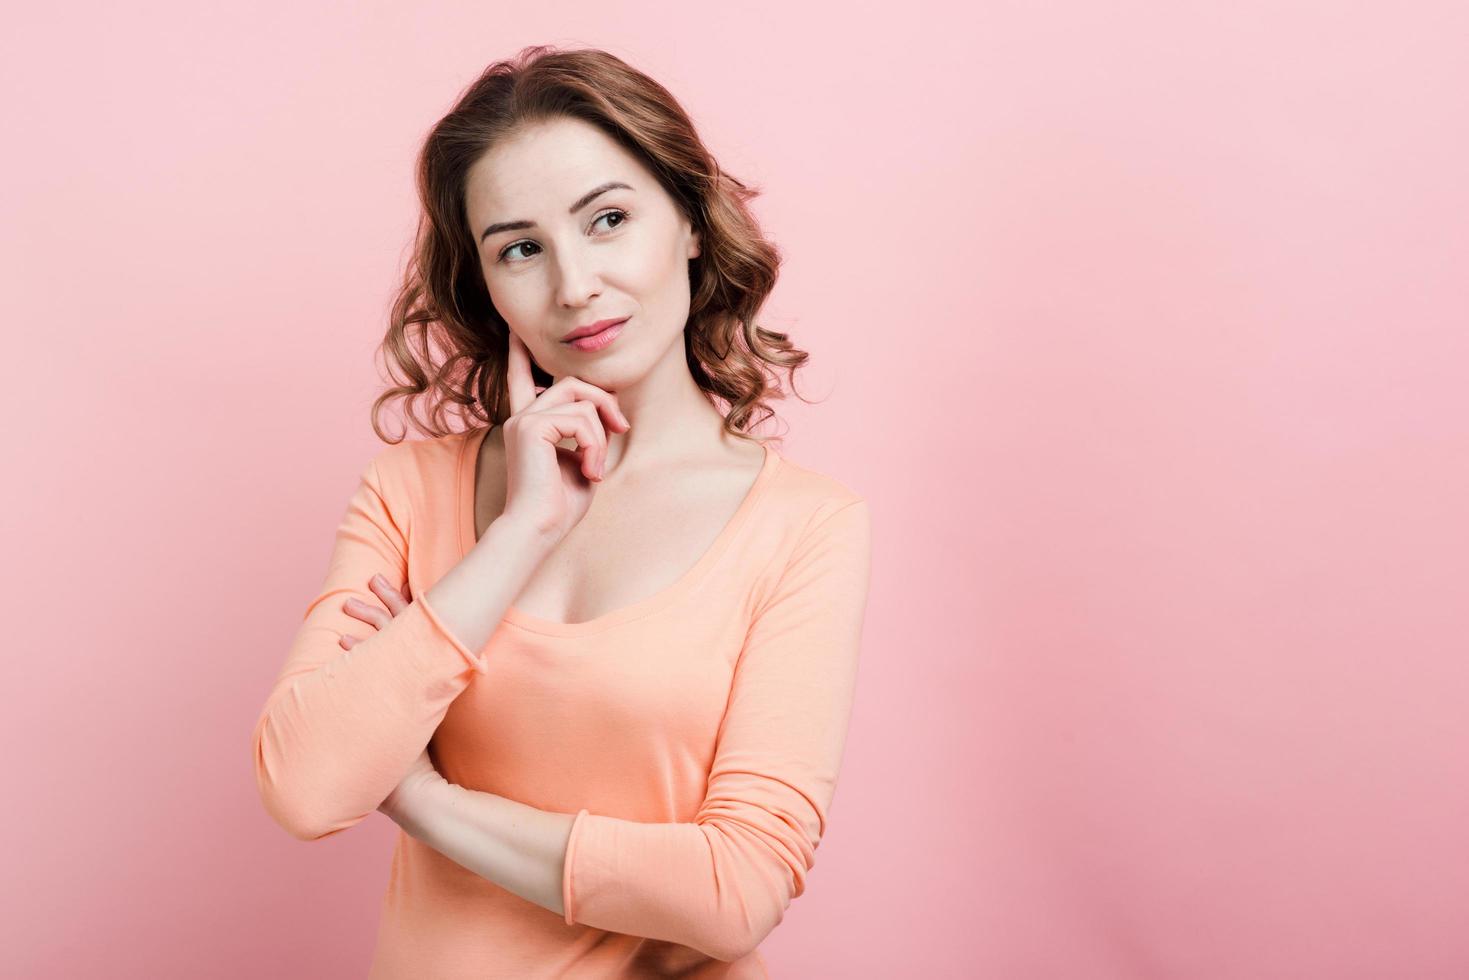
(1144, 328)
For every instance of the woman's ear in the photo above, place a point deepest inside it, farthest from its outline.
(694, 246)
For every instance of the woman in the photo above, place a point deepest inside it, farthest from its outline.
(627, 630)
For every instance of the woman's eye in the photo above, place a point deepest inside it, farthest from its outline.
(505, 252)
(505, 255)
(609, 214)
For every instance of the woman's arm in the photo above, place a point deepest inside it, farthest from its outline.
(341, 727)
(518, 847)
(471, 598)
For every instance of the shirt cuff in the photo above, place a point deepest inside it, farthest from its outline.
(478, 663)
(566, 895)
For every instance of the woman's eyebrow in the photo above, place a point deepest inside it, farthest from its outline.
(581, 202)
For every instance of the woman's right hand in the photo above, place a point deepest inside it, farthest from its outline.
(548, 488)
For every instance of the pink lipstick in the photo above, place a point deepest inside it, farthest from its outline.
(598, 340)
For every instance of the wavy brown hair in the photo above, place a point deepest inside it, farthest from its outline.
(446, 344)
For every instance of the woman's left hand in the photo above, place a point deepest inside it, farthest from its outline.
(421, 776)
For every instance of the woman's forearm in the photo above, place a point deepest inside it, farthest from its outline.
(516, 846)
(471, 598)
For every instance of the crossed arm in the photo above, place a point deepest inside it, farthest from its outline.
(341, 729)
(518, 847)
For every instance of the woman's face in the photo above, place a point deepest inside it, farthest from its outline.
(569, 259)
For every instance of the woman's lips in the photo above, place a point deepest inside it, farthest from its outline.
(599, 340)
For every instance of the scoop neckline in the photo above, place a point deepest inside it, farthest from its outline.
(469, 456)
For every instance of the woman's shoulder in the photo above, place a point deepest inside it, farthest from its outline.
(413, 467)
(802, 482)
(810, 521)
(801, 495)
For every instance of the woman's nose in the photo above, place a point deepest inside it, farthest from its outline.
(577, 279)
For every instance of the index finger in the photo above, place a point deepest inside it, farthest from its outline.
(518, 379)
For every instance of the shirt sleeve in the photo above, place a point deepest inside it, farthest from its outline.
(723, 882)
(340, 728)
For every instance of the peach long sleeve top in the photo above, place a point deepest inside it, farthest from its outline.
(696, 734)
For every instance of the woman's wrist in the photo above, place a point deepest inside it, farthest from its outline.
(415, 802)
(470, 599)
(518, 537)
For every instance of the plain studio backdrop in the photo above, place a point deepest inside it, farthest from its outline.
(1144, 328)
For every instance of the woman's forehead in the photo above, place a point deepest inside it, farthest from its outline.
(544, 180)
